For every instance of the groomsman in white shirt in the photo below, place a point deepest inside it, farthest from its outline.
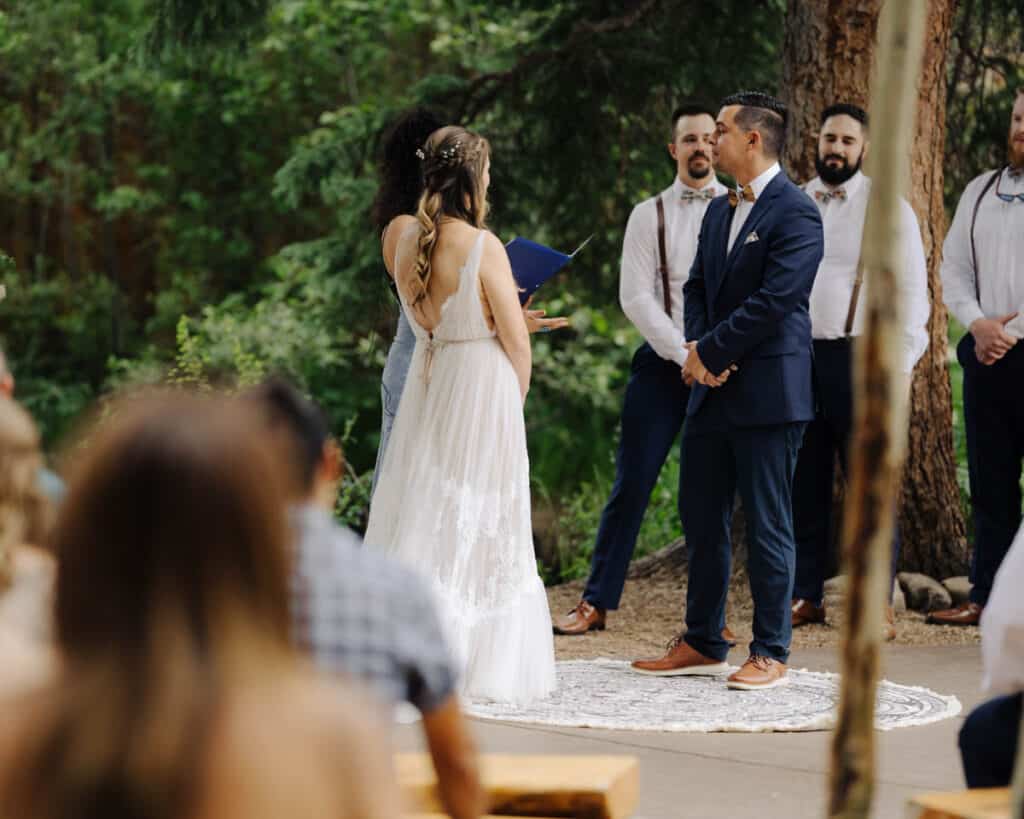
(841, 191)
(983, 285)
(657, 252)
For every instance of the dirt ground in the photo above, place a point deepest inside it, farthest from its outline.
(651, 613)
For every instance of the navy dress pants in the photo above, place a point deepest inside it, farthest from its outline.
(652, 415)
(827, 435)
(988, 742)
(758, 462)
(994, 423)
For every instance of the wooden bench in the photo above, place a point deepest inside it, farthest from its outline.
(528, 785)
(979, 803)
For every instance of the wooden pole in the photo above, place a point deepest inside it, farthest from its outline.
(879, 436)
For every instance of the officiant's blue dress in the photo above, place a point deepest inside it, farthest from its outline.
(392, 384)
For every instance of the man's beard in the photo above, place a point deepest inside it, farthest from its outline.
(1014, 152)
(698, 173)
(836, 176)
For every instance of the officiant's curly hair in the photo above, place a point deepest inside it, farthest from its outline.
(453, 160)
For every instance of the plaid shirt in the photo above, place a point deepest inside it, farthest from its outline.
(359, 614)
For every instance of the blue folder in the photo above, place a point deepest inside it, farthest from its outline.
(533, 263)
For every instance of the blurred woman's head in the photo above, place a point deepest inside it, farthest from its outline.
(174, 518)
(401, 177)
(23, 508)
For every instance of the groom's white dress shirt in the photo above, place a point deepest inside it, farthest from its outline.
(999, 242)
(743, 207)
(843, 223)
(640, 286)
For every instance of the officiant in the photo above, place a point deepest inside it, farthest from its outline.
(658, 249)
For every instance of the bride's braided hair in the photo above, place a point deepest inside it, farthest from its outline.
(453, 162)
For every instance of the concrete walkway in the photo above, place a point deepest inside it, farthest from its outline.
(762, 776)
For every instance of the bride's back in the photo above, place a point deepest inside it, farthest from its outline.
(452, 249)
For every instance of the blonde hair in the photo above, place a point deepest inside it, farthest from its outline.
(454, 160)
(23, 508)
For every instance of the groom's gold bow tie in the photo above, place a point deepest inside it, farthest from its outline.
(746, 193)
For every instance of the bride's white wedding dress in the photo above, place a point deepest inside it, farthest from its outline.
(453, 500)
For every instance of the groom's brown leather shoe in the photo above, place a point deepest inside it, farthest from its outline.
(803, 611)
(580, 620)
(966, 614)
(681, 659)
(757, 673)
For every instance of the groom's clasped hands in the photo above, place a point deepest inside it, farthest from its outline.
(695, 371)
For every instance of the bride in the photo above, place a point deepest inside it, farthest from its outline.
(453, 497)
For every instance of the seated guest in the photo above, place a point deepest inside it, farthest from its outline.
(178, 695)
(26, 571)
(360, 614)
(988, 738)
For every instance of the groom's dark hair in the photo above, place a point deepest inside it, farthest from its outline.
(762, 113)
(298, 421)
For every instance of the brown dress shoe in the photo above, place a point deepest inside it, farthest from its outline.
(757, 673)
(680, 660)
(804, 612)
(889, 625)
(580, 620)
(966, 614)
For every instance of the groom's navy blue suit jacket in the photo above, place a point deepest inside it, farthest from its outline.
(749, 307)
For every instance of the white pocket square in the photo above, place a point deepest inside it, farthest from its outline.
(753, 237)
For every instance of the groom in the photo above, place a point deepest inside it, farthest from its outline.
(746, 306)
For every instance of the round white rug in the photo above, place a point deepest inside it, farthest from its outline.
(606, 694)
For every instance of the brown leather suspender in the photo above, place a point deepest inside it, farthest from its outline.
(663, 257)
(854, 297)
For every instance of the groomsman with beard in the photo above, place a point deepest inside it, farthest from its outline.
(841, 192)
(983, 286)
(657, 251)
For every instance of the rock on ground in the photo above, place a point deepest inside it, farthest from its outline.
(924, 593)
(959, 589)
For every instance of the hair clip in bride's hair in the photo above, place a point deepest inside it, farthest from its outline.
(420, 154)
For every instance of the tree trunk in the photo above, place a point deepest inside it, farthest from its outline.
(829, 51)
(931, 516)
(880, 416)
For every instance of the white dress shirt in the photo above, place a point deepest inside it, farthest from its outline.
(743, 207)
(999, 241)
(640, 286)
(843, 223)
(1002, 625)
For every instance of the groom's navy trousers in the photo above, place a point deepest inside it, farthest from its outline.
(748, 306)
(652, 415)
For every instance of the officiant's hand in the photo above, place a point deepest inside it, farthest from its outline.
(536, 323)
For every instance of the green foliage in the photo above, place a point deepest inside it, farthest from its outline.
(203, 216)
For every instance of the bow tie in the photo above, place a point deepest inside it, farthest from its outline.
(825, 196)
(705, 195)
(746, 193)
(1015, 173)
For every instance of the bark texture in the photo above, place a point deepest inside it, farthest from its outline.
(931, 516)
(829, 56)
